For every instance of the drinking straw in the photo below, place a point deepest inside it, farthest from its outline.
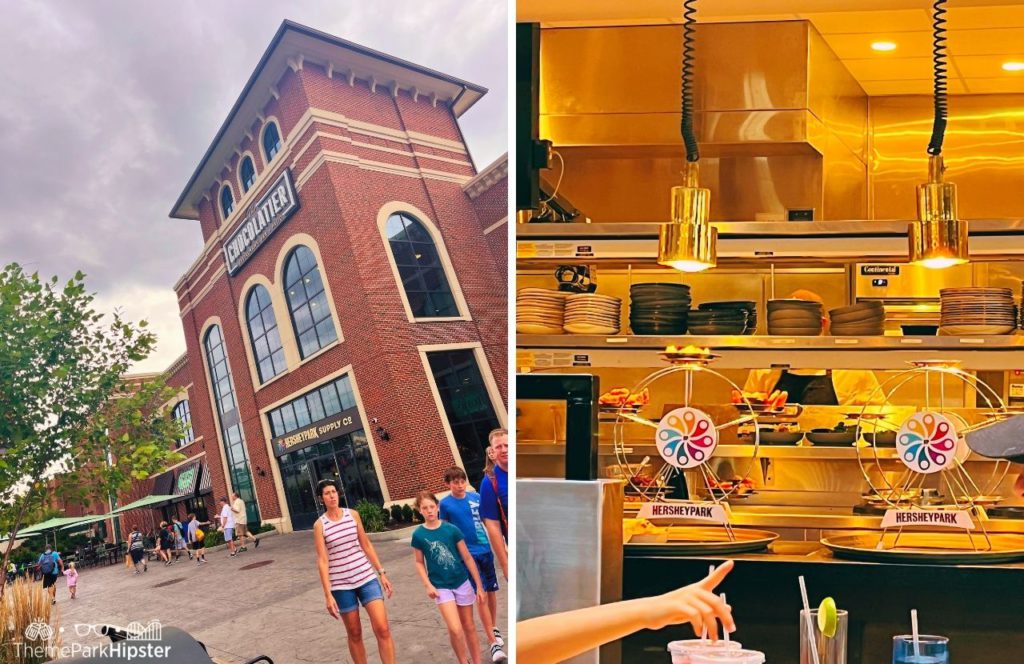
(724, 630)
(913, 629)
(810, 624)
(704, 632)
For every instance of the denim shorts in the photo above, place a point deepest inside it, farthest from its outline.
(485, 565)
(349, 600)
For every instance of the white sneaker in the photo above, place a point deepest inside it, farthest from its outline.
(497, 637)
(497, 654)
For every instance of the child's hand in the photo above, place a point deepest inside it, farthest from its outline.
(480, 597)
(386, 585)
(432, 591)
(695, 604)
(332, 607)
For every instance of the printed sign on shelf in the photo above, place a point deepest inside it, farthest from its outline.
(712, 512)
(686, 437)
(942, 518)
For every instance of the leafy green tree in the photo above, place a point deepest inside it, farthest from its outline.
(68, 411)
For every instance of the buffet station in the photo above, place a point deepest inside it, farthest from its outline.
(772, 358)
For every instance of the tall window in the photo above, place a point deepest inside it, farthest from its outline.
(230, 420)
(467, 405)
(248, 172)
(307, 302)
(420, 268)
(227, 201)
(181, 413)
(271, 141)
(263, 332)
(311, 407)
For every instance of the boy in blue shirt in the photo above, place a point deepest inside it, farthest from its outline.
(462, 509)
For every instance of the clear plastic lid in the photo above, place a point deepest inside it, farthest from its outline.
(727, 657)
(702, 645)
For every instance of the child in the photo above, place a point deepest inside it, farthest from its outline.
(439, 548)
(462, 509)
(72, 575)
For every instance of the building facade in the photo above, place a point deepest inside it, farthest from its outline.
(347, 316)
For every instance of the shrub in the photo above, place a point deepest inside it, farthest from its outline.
(375, 519)
(213, 538)
(396, 513)
(407, 514)
(24, 602)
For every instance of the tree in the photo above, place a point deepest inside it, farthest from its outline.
(67, 409)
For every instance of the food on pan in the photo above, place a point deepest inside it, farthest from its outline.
(621, 396)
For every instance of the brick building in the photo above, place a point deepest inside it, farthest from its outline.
(347, 316)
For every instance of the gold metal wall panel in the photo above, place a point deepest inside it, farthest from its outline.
(983, 152)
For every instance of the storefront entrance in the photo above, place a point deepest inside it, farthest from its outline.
(345, 459)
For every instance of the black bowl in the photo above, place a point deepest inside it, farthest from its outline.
(832, 437)
(780, 437)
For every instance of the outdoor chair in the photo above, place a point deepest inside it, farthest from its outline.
(182, 649)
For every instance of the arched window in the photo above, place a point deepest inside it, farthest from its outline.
(266, 340)
(227, 201)
(420, 268)
(271, 141)
(307, 302)
(181, 413)
(248, 173)
(230, 420)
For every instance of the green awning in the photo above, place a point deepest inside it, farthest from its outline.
(86, 520)
(143, 502)
(52, 524)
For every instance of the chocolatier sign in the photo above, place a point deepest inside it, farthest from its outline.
(344, 422)
(261, 220)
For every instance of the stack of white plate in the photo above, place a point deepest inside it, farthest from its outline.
(540, 311)
(977, 311)
(590, 313)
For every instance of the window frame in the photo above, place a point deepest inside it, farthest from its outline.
(257, 358)
(307, 303)
(268, 158)
(226, 214)
(185, 417)
(247, 157)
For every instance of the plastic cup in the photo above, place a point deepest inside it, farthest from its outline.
(728, 657)
(681, 650)
(933, 649)
(831, 650)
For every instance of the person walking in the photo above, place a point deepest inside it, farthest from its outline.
(179, 539)
(226, 523)
(196, 537)
(72, 576)
(242, 522)
(165, 543)
(351, 574)
(494, 496)
(50, 566)
(137, 550)
(462, 510)
(439, 546)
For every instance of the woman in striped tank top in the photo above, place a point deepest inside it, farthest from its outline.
(349, 568)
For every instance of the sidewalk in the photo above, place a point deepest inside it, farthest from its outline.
(276, 609)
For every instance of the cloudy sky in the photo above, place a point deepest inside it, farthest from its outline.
(107, 107)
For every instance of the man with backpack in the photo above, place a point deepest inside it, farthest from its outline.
(50, 566)
(494, 496)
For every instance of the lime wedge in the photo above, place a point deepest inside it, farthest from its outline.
(827, 620)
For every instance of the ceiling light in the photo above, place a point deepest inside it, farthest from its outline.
(939, 238)
(1013, 66)
(688, 243)
(883, 46)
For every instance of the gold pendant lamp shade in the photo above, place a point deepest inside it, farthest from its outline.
(689, 243)
(939, 238)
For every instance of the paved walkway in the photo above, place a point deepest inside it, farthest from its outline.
(276, 609)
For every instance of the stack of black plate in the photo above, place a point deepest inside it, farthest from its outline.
(745, 307)
(858, 320)
(794, 318)
(716, 321)
(658, 308)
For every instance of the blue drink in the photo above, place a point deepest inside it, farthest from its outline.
(932, 649)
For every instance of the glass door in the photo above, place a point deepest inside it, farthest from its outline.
(300, 491)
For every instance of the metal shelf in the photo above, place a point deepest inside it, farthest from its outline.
(979, 353)
(819, 242)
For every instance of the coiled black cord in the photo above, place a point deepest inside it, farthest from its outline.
(939, 69)
(686, 125)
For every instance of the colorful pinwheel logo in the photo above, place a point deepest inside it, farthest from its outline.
(927, 442)
(686, 437)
